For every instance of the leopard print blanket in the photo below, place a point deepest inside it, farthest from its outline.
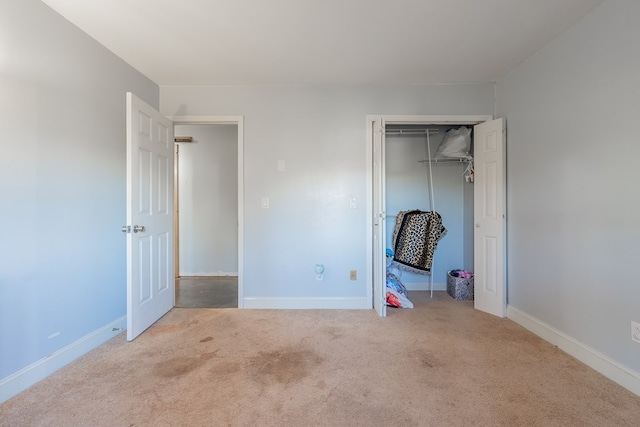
(415, 237)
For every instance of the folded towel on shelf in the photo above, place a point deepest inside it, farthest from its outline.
(415, 238)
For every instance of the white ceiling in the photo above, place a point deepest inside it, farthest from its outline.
(275, 42)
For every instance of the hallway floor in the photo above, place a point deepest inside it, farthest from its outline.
(207, 292)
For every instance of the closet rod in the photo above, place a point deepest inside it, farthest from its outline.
(410, 131)
(446, 160)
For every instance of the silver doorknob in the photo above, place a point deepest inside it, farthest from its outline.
(139, 228)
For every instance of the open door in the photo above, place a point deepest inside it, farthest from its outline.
(379, 219)
(489, 217)
(150, 246)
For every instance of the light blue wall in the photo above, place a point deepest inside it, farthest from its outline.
(321, 134)
(573, 119)
(62, 183)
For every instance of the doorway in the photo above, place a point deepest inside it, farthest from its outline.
(488, 259)
(208, 215)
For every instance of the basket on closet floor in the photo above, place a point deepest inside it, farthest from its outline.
(459, 287)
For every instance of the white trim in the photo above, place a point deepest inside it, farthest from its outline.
(342, 303)
(615, 371)
(208, 274)
(399, 119)
(39, 370)
(206, 120)
(369, 207)
(435, 120)
(239, 121)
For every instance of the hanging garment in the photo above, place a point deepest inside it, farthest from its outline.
(415, 237)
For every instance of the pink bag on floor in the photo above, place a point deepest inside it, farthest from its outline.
(396, 299)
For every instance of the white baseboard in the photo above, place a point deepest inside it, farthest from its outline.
(615, 371)
(39, 370)
(308, 303)
(419, 286)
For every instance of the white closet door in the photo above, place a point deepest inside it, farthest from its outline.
(489, 217)
(379, 220)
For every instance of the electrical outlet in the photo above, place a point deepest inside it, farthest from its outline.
(319, 272)
(353, 275)
(635, 332)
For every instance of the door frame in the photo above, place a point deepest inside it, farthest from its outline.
(239, 122)
(398, 120)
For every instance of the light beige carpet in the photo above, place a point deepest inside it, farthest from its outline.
(439, 364)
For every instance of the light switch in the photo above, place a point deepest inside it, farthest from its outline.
(281, 166)
(353, 203)
(265, 203)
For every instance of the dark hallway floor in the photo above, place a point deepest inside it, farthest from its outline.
(207, 292)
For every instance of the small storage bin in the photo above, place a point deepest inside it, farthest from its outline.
(458, 287)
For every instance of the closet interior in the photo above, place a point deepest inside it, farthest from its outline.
(417, 177)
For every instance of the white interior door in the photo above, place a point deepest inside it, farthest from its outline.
(379, 220)
(150, 244)
(489, 217)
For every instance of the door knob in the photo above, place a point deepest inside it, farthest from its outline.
(139, 228)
